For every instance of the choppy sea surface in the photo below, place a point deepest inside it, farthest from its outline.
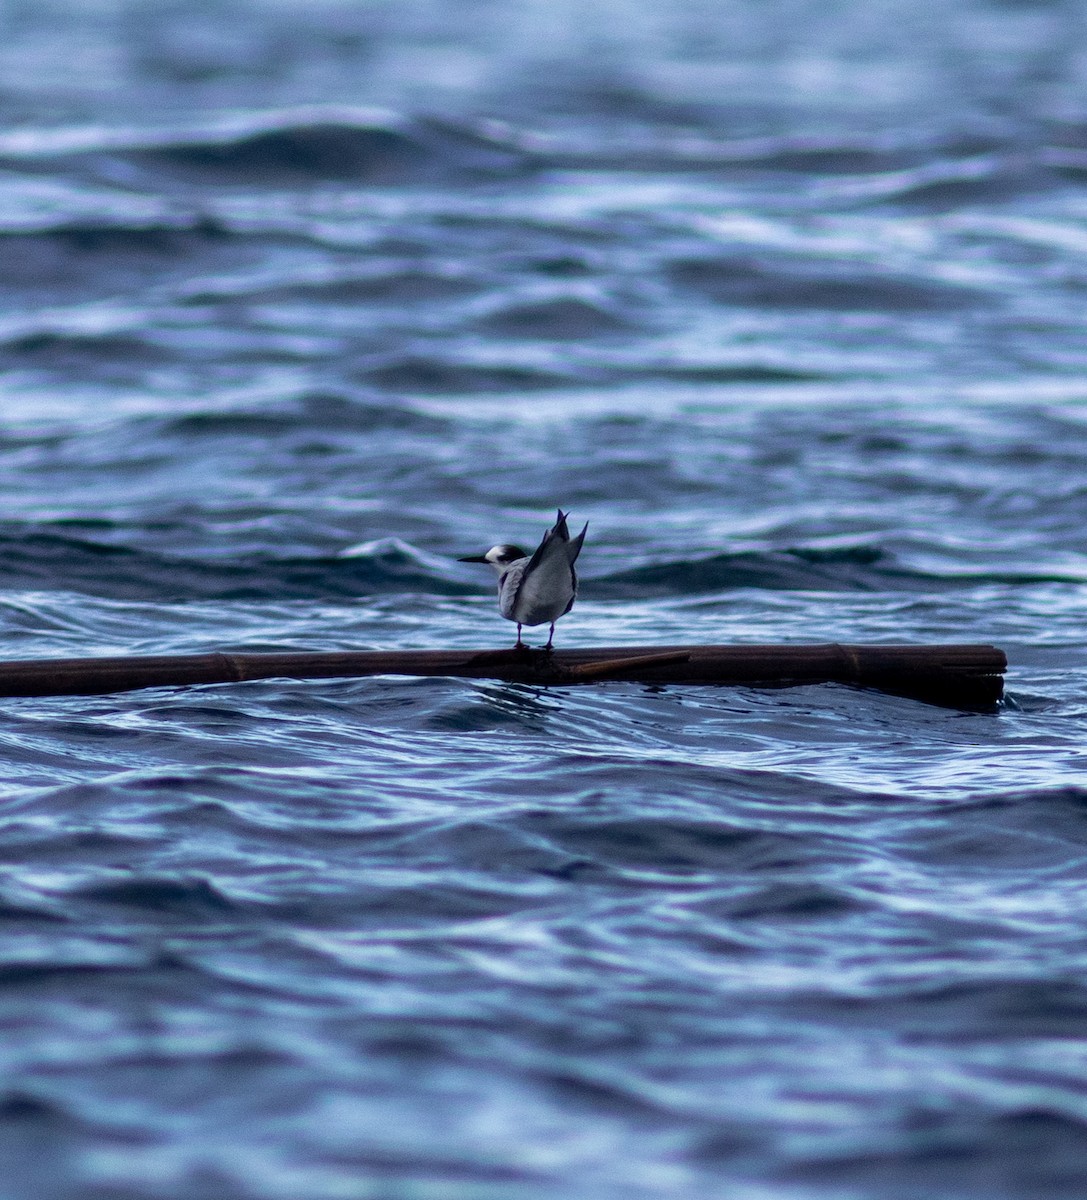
(299, 303)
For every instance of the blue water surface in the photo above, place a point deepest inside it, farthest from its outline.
(298, 304)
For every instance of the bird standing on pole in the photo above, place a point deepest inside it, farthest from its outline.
(538, 588)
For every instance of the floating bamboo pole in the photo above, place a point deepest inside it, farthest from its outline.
(968, 677)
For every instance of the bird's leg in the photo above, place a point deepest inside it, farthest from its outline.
(518, 645)
(550, 636)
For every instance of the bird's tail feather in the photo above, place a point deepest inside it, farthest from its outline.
(573, 547)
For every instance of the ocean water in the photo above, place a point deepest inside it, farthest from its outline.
(298, 304)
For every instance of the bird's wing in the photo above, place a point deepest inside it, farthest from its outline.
(556, 540)
(558, 530)
(509, 585)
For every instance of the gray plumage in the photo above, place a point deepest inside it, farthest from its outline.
(538, 588)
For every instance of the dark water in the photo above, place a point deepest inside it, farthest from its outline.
(297, 304)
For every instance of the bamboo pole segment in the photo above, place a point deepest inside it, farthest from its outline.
(968, 676)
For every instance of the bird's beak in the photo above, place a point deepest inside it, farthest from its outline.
(474, 558)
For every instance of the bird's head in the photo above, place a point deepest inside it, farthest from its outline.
(498, 557)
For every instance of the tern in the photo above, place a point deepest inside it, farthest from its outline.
(536, 588)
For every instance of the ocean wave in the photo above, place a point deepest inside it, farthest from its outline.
(49, 561)
(176, 896)
(418, 374)
(75, 349)
(294, 145)
(559, 318)
(986, 1147)
(666, 845)
(317, 410)
(115, 235)
(286, 147)
(858, 568)
(946, 183)
(386, 284)
(646, 146)
(432, 374)
(46, 560)
(63, 251)
(788, 282)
